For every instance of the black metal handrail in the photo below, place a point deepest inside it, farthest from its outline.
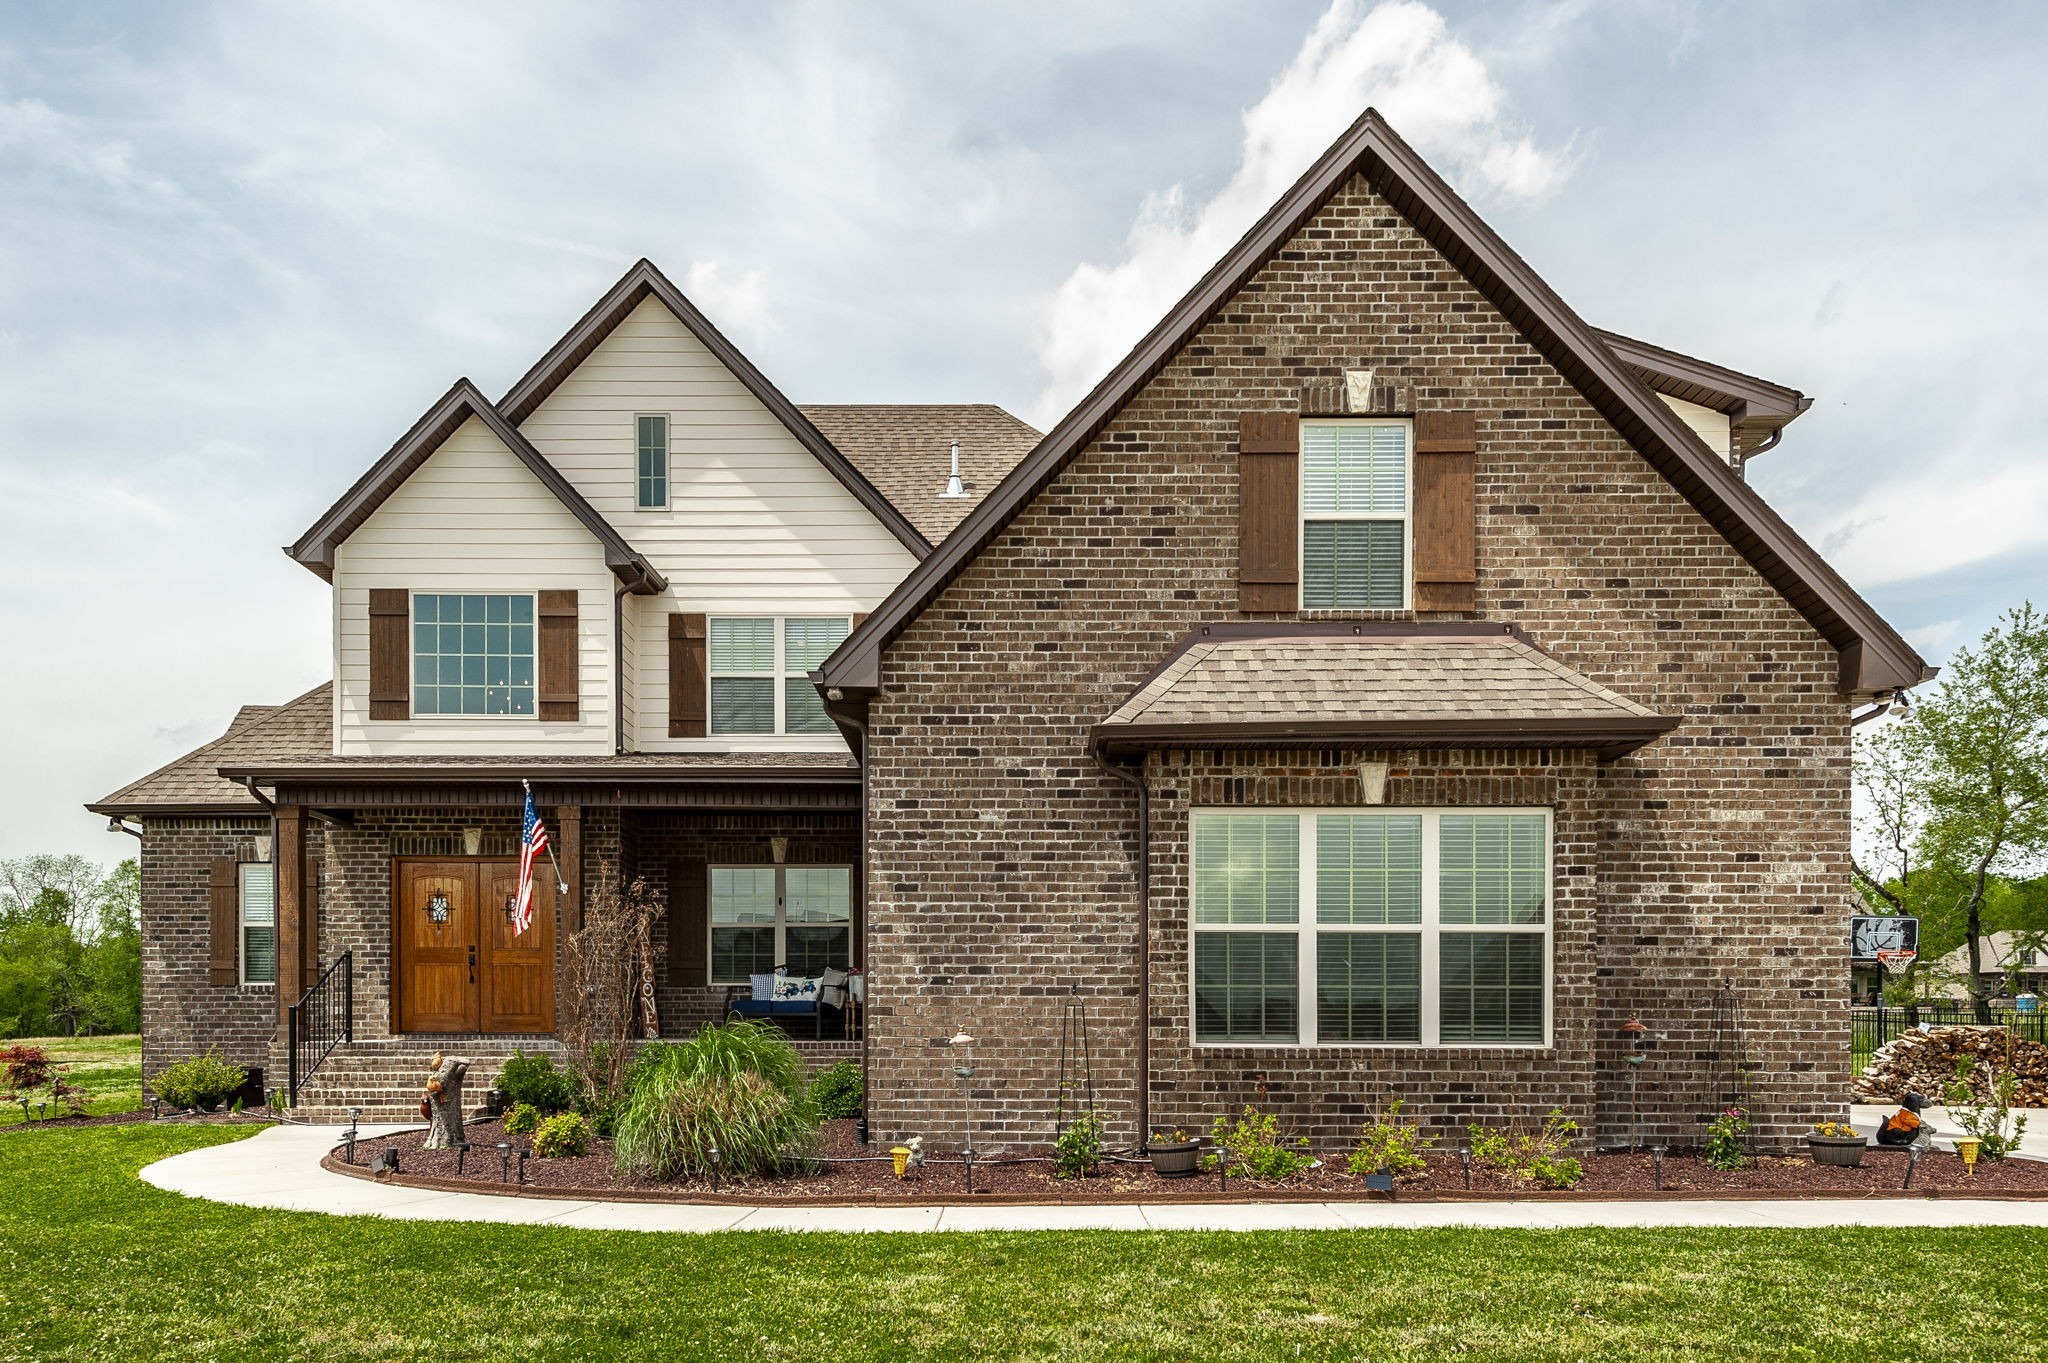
(323, 1018)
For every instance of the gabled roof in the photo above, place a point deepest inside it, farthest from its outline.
(1466, 685)
(1874, 656)
(1757, 409)
(905, 450)
(316, 547)
(299, 730)
(643, 281)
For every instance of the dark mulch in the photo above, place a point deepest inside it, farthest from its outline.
(867, 1175)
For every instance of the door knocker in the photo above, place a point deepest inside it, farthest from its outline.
(437, 908)
(511, 908)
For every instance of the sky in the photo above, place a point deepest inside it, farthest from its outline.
(243, 246)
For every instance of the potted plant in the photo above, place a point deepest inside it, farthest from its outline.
(1175, 1154)
(1836, 1144)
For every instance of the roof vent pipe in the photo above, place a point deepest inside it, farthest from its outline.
(954, 487)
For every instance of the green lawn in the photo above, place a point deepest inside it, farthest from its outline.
(96, 1265)
(109, 1068)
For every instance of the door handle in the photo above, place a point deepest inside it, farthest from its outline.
(472, 965)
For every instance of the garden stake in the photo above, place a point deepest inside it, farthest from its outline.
(522, 1166)
(1657, 1158)
(1912, 1163)
(968, 1156)
(461, 1149)
(1222, 1171)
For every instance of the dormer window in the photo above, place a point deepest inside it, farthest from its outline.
(652, 481)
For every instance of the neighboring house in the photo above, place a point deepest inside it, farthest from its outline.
(2011, 965)
(1382, 685)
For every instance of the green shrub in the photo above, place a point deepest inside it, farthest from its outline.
(1556, 1171)
(562, 1136)
(523, 1118)
(202, 1081)
(1252, 1147)
(839, 1090)
(739, 1087)
(1390, 1144)
(1991, 1121)
(1538, 1156)
(534, 1079)
(1078, 1151)
(1724, 1140)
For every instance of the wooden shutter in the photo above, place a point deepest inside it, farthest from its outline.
(390, 654)
(689, 935)
(689, 702)
(1446, 540)
(224, 956)
(1268, 511)
(560, 684)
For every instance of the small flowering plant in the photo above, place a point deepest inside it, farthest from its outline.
(1839, 1131)
(1725, 1139)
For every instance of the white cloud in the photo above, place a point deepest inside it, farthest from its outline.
(1398, 57)
(1961, 511)
(732, 299)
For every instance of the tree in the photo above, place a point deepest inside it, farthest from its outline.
(1957, 795)
(70, 947)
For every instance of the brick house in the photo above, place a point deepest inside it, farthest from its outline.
(1382, 685)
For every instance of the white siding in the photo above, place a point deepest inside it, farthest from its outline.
(755, 524)
(472, 518)
(1710, 425)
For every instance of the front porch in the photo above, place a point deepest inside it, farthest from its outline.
(409, 869)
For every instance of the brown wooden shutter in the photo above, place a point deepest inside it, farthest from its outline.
(860, 618)
(1446, 539)
(560, 683)
(309, 937)
(689, 936)
(224, 957)
(390, 654)
(689, 702)
(1268, 511)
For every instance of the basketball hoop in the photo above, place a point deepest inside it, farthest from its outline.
(1895, 963)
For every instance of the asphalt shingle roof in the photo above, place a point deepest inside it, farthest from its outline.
(299, 728)
(904, 450)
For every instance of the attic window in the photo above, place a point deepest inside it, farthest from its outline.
(652, 481)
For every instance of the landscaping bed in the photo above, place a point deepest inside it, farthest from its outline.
(1607, 1176)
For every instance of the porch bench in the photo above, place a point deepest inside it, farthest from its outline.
(739, 1006)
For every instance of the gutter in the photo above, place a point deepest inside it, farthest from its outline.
(1134, 777)
(249, 784)
(859, 724)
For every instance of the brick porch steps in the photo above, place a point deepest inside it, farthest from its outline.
(386, 1079)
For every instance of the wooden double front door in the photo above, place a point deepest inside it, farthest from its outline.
(460, 966)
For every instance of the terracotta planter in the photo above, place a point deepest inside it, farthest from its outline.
(1843, 1152)
(1176, 1159)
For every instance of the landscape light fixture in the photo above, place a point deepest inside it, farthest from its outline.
(504, 1161)
(522, 1166)
(962, 1042)
(1465, 1160)
(1657, 1159)
(717, 1159)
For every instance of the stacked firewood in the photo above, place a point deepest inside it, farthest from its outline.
(1925, 1063)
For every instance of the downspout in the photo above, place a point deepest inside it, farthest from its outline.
(1134, 777)
(116, 824)
(619, 664)
(859, 723)
(249, 784)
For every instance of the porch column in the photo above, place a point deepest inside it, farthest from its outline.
(289, 862)
(569, 832)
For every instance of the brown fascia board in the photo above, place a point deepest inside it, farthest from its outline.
(604, 317)
(1880, 659)
(514, 773)
(146, 811)
(1726, 390)
(1610, 737)
(315, 549)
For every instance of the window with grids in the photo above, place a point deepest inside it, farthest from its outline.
(1381, 927)
(798, 917)
(1354, 514)
(758, 666)
(472, 654)
(257, 897)
(651, 438)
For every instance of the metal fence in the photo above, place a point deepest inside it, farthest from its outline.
(1870, 1028)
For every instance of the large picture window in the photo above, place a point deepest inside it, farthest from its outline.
(256, 895)
(758, 667)
(799, 917)
(472, 654)
(1383, 927)
(1354, 514)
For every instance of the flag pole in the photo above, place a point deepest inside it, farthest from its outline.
(561, 885)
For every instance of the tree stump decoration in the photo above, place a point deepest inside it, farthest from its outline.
(444, 1101)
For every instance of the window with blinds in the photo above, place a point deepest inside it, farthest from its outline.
(798, 917)
(758, 668)
(1354, 514)
(1412, 927)
(651, 437)
(257, 894)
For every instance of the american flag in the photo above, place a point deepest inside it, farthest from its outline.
(533, 843)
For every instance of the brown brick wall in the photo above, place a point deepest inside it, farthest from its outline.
(1000, 867)
(182, 1014)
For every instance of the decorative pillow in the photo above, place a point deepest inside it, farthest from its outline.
(763, 985)
(832, 988)
(795, 988)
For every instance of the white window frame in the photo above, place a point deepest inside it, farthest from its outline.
(1308, 931)
(242, 924)
(1406, 515)
(781, 952)
(412, 657)
(668, 427)
(780, 675)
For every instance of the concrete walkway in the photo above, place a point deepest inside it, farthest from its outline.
(280, 1168)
